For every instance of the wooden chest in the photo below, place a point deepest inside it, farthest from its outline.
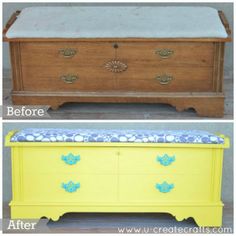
(129, 59)
(60, 171)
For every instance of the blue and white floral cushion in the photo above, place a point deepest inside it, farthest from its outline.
(97, 135)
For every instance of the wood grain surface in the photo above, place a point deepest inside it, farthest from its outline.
(116, 111)
(195, 66)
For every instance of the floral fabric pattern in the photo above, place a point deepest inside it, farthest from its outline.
(122, 136)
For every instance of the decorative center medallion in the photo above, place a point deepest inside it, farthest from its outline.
(116, 66)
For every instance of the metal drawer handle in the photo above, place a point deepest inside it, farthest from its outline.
(69, 79)
(70, 186)
(165, 160)
(164, 79)
(67, 52)
(164, 187)
(70, 159)
(164, 53)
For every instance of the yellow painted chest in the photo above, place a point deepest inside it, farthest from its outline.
(59, 172)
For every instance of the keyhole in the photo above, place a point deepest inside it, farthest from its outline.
(115, 45)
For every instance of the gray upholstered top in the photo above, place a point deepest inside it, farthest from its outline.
(117, 22)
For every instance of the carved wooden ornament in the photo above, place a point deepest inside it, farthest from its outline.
(116, 66)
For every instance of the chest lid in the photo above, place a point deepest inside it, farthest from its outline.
(116, 136)
(117, 22)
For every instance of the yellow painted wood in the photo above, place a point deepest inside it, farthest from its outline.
(47, 187)
(16, 162)
(187, 188)
(144, 160)
(95, 160)
(117, 177)
(206, 215)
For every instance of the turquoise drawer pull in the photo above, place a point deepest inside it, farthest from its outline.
(70, 159)
(70, 186)
(164, 187)
(166, 160)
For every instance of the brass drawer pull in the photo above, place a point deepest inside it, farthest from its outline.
(164, 79)
(69, 79)
(67, 52)
(164, 53)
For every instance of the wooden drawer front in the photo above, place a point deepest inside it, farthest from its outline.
(94, 53)
(180, 188)
(188, 69)
(182, 79)
(56, 188)
(133, 79)
(165, 160)
(49, 54)
(41, 79)
(70, 160)
(147, 54)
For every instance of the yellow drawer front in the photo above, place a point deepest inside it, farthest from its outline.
(82, 160)
(164, 160)
(70, 188)
(182, 188)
